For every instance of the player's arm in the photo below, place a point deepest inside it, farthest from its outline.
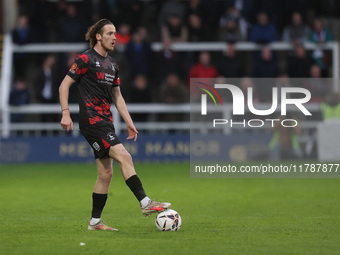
(66, 121)
(120, 104)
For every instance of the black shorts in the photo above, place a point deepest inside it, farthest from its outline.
(101, 136)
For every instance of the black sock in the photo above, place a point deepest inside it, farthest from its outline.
(98, 203)
(136, 187)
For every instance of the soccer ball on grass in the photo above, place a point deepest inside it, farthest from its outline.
(168, 220)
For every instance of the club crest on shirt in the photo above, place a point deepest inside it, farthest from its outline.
(73, 68)
(110, 136)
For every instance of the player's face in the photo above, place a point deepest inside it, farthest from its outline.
(108, 38)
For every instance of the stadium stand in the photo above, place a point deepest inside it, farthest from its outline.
(46, 19)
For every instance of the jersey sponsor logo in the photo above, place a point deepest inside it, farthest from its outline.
(113, 67)
(105, 76)
(100, 75)
(97, 64)
(96, 146)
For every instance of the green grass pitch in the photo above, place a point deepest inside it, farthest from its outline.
(44, 209)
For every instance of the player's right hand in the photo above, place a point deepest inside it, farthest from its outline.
(132, 132)
(66, 123)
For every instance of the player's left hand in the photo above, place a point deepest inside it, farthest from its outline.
(132, 132)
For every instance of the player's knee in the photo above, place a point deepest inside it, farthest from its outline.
(106, 174)
(109, 174)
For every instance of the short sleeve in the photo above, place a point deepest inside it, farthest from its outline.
(79, 67)
(116, 81)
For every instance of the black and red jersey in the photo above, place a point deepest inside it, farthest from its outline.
(96, 76)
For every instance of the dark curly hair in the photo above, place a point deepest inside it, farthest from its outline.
(94, 29)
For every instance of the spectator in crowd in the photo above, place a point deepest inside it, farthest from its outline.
(195, 7)
(72, 26)
(297, 32)
(174, 30)
(46, 81)
(265, 67)
(245, 84)
(60, 9)
(283, 81)
(329, 11)
(21, 34)
(203, 68)
(319, 35)
(171, 8)
(300, 63)
(123, 35)
(173, 91)
(124, 71)
(213, 11)
(263, 31)
(19, 95)
(244, 7)
(289, 7)
(233, 26)
(168, 61)
(130, 12)
(140, 93)
(142, 30)
(139, 55)
(330, 108)
(198, 32)
(114, 10)
(40, 16)
(284, 143)
(273, 10)
(230, 64)
(317, 86)
(96, 9)
(46, 86)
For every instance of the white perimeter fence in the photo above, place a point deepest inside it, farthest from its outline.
(6, 80)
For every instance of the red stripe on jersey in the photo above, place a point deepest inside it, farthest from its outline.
(106, 145)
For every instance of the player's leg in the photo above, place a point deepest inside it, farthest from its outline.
(104, 177)
(99, 195)
(124, 159)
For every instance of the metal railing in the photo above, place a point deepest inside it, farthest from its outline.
(224, 112)
(6, 77)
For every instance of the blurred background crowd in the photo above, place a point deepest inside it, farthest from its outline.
(163, 75)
